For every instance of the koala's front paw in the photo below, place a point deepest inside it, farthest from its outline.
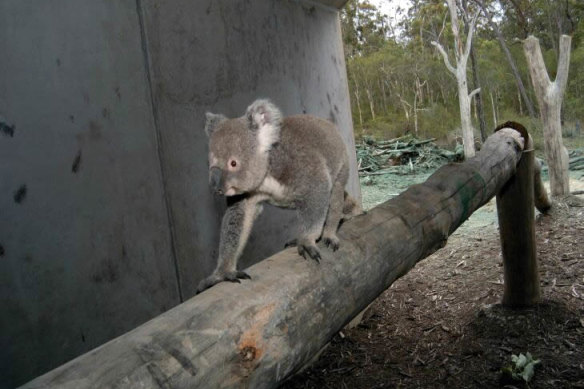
(310, 250)
(215, 278)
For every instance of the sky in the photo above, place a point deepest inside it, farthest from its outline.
(388, 8)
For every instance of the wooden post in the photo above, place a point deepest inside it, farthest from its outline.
(258, 333)
(516, 212)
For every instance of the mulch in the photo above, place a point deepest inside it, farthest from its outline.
(442, 325)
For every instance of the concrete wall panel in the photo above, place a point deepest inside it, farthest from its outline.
(220, 56)
(86, 251)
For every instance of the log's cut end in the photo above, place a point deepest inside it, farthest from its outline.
(521, 139)
(541, 197)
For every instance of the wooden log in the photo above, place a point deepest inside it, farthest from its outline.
(258, 333)
(541, 198)
(515, 209)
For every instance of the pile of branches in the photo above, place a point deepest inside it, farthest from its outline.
(576, 160)
(403, 155)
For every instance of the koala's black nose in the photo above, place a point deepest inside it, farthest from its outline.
(216, 179)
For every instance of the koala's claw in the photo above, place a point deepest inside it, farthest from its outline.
(232, 276)
(311, 251)
(236, 276)
(332, 242)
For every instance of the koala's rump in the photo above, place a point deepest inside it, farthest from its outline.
(310, 149)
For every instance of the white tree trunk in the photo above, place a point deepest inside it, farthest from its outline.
(358, 99)
(461, 51)
(494, 110)
(370, 99)
(416, 113)
(549, 97)
(465, 117)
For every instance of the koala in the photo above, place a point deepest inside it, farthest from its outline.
(297, 162)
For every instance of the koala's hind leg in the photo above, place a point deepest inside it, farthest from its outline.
(312, 214)
(235, 229)
(351, 208)
(335, 210)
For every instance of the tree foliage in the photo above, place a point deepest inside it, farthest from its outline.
(399, 83)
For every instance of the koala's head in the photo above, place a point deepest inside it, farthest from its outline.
(239, 148)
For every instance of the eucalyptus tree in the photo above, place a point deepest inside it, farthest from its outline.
(550, 96)
(461, 54)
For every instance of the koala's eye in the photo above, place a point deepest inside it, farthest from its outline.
(233, 163)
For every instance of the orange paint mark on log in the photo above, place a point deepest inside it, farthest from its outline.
(251, 342)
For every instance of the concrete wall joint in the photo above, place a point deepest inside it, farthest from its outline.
(159, 148)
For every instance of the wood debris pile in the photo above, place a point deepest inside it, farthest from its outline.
(576, 161)
(403, 155)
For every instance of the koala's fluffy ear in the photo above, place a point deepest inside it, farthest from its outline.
(265, 118)
(212, 121)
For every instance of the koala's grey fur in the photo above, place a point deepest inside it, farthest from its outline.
(295, 162)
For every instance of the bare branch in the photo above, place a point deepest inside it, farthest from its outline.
(455, 31)
(443, 26)
(539, 75)
(563, 63)
(474, 92)
(445, 56)
(470, 34)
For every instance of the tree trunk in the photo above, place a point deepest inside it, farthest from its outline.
(385, 105)
(406, 106)
(461, 51)
(416, 114)
(509, 58)
(258, 333)
(478, 97)
(515, 71)
(475, 83)
(370, 99)
(494, 110)
(549, 97)
(515, 203)
(465, 117)
(358, 101)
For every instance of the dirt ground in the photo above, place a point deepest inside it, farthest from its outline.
(442, 325)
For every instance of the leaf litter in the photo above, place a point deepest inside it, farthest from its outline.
(442, 325)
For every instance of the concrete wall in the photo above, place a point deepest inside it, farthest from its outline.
(220, 56)
(106, 218)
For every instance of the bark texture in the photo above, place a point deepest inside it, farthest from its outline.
(549, 97)
(258, 333)
(515, 209)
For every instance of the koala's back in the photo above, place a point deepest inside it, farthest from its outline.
(313, 144)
